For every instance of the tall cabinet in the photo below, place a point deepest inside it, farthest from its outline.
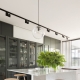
(23, 54)
(2, 57)
(32, 54)
(12, 53)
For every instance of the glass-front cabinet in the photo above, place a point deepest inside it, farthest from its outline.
(2, 51)
(12, 55)
(32, 54)
(23, 54)
(2, 57)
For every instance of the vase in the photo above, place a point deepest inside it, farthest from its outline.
(52, 70)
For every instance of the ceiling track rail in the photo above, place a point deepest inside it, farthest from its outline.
(33, 22)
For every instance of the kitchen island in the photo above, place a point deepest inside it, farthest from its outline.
(45, 74)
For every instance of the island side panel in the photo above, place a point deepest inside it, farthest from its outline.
(71, 75)
(51, 76)
(40, 77)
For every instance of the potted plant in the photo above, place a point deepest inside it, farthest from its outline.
(51, 59)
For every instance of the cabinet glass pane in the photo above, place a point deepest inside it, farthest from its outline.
(23, 54)
(2, 52)
(12, 53)
(31, 54)
(39, 49)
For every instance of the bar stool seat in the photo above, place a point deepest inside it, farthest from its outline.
(19, 75)
(10, 79)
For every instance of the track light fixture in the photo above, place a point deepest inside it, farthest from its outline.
(56, 33)
(38, 28)
(63, 36)
(48, 30)
(8, 14)
(26, 21)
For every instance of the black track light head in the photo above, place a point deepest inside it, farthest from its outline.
(38, 28)
(8, 14)
(56, 33)
(48, 30)
(63, 36)
(26, 21)
(67, 38)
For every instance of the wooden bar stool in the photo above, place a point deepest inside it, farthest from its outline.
(20, 75)
(11, 79)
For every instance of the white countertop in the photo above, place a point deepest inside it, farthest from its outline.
(45, 74)
(34, 71)
(31, 71)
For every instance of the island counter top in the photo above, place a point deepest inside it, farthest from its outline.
(44, 74)
(32, 71)
(37, 71)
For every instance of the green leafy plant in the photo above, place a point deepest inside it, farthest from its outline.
(51, 59)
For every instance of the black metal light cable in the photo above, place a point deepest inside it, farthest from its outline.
(27, 20)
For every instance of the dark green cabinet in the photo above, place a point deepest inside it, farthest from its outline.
(12, 53)
(2, 58)
(32, 54)
(23, 54)
(6, 29)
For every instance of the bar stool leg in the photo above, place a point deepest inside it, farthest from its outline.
(24, 77)
(17, 78)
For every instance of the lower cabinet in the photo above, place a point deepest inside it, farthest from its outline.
(11, 74)
(28, 77)
(2, 76)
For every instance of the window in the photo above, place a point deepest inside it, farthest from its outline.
(75, 53)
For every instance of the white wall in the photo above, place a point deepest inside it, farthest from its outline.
(25, 34)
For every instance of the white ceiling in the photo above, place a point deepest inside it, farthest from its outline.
(60, 15)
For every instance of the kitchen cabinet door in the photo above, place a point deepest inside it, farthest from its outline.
(7, 29)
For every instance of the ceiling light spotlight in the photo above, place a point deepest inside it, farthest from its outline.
(48, 30)
(63, 36)
(26, 21)
(56, 33)
(38, 28)
(8, 14)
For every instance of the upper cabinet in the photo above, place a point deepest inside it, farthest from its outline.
(51, 44)
(6, 29)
